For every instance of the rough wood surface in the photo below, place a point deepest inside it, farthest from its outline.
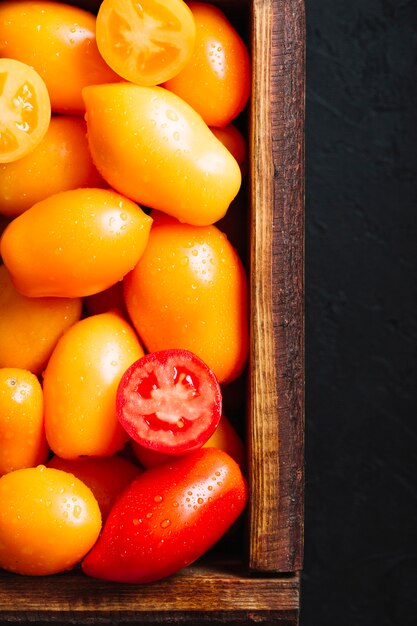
(276, 410)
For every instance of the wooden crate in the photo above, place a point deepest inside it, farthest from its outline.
(259, 583)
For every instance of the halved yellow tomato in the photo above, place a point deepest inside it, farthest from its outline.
(145, 42)
(25, 109)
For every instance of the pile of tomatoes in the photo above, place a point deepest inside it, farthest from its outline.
(123, 304)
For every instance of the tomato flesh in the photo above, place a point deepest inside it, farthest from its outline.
(169, 401)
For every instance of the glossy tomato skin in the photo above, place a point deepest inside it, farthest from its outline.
(165, 158)
(106, 477)
(58, 41)
(80, 384)
(74, 243)
(22, 431)
(61, 161)
(168, 517)
(216, 80)
(49, 520)
(169, 401)
(189, 290)
(31, 327)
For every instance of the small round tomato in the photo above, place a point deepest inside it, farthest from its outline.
(61, 161)
(80, 384)
(165, 157)
(74, 243)
(31, 327)
(189, 290)
(106, 477)
(58, 40)
(168, 517)
(169, 401)
(49, 520)
(216, 80)
(25, 109)
(224, 437)
(22, 433)
(145, 42)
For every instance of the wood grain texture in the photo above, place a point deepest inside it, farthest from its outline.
(276, 406)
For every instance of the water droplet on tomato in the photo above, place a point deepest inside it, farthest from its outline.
(171, 115)
(148, 515)
(77, 510)
(158, 498)
(165, 523)
(200, 500)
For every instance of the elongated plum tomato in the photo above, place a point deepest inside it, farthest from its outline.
(165, 157)
(25, 109)
(216, 80)
(145, 42)
(59, 162)
(168, 517)
(49, 520)
(31, 327)
(74, 243)
(169, 401)
(58, 40)
(80, 384)
(189, 290)
(22, 432)
(106, 477)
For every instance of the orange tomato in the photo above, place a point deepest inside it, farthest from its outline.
(216, 80)
(106, 477)
(154, 148)
(58, 41)
(74, 243)
(22, 433)
(59, 162)
(145, 42)
(31, 327)
(25, 109)
(49, 520)
(80, 384)
(225, 438)
(233, 139)
(189, 290)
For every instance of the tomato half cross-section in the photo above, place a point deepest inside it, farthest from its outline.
(169, 401)
(25, 109)
(145, 42)
(168, 517)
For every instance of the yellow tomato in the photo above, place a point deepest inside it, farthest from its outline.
(74, 243)
(22, 432)
(59, 42)
(31, 327)
(49, 520)
(189, 290)
(80, 384)
(61, 161)
(154, 148)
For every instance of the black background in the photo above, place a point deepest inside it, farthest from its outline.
(361, 311)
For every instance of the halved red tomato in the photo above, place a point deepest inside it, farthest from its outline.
(169, 401)
(145, 42)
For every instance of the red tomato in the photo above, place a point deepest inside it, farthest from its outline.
(169, 401)
(216, 81)
(168, 517)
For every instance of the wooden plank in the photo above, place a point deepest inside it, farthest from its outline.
(276, 404)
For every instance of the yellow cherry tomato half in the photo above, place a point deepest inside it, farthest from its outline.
(165, 157)
(59, 162)
(31, 327)
(189, 290)
(25, 109)
(80, 384)
(58, 40)
(49, 520)
(22, 432)
(74, 243)
(145, 42)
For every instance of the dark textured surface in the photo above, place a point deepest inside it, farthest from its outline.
(361, 432)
